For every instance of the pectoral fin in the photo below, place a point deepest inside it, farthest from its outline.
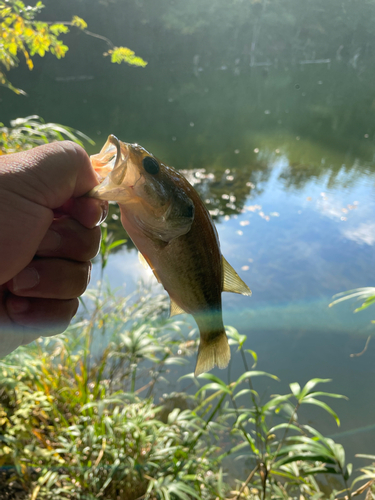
(162, 229)
(147, 265)
(175, 309)
(231, 281)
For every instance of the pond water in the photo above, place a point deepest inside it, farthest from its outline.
(269, 108)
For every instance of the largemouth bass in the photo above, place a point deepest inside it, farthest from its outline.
(173, 231)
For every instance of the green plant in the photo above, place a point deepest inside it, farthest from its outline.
(73, 425)
(26, 133)
(365, 294)
(80, 416)
(368, 475)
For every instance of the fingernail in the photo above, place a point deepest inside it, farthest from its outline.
(18, 305)
(104, 207)
(50, 242)
(28, 278)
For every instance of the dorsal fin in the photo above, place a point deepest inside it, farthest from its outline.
(231, 281)
(175, 309)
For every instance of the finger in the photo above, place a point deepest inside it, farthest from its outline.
(50, 174)
(68, 239)
(32, 184)
(11, 334)
(52, 279)
(41, 316)
(88, 211)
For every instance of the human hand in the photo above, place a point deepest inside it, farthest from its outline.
(48, 234)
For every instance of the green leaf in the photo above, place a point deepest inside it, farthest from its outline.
(220, 482)
(214, 386)
(362, 477)
(311, 384)
(115, 244)
(176, 360)
(255, 373)
(284, 426)
(328, 394)
(190, 376)
(313, 431)
(369, 457)
(254, 355)
(356, 292)
(235, 338)
(57, 29)
(348, 472)
(296, 389)
(79, 22)
(242, 393)
(324, 406)
(339, 453)
(181, 490)
(124, 54)
(51, 479)
(367, 302)
(213, 378)
(324, 469)
(241, 418)
(306, 444)
(275, 401)
(311, 457)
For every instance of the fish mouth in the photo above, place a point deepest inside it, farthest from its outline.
(110, 165)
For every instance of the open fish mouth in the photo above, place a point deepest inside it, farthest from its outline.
(110, 166)
(108, 158)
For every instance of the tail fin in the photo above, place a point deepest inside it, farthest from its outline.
(212, 352)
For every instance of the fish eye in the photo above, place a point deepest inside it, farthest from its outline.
(150, 165)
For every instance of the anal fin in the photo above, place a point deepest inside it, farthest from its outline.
(175, 309)
(231, 281)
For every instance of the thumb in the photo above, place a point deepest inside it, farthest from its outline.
(50, 174)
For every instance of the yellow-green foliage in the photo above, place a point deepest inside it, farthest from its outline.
(21, 33)
(123, 54)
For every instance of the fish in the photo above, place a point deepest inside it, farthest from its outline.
(175, 236)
